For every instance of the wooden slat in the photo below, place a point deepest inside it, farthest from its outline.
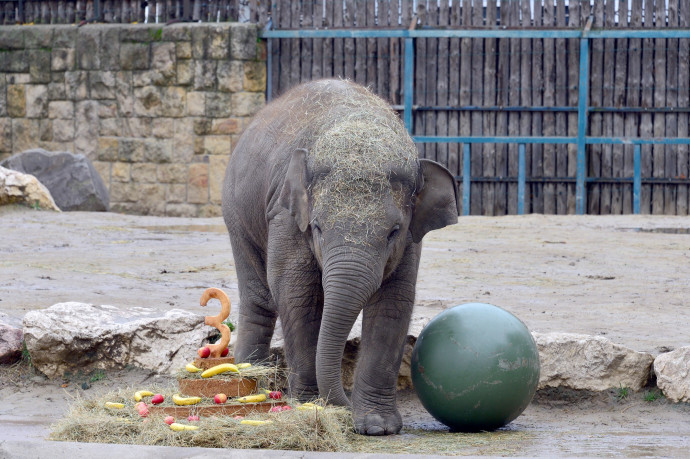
(683, 101)
(317, 71)
(327, 43)
(284, 10)
(618, 203)
(607, 128)
(465, 82)
(454, 70)
(646, 130)
(395, 59)
(360, 16)
(671, 151)
(338, 45)
(489, 118)
(349, 46)
(295, 45)
(502, 77)
(307, 48)
(537, 161)
(526, 90)
(383, 52)
(371, 45)
(476, 99)
(420, 86)
(276, 54)
(576, 14)
(431, 87)
(632, 100)
(561, 88)
(549, 165)
(659, 123)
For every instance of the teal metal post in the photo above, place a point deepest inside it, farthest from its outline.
(583, 98)
(521, 179)
(466, 178)
(409, 83)
(637, 178)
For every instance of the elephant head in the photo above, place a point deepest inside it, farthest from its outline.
(361, 197)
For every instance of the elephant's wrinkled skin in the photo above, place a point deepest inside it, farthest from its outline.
(326, 204)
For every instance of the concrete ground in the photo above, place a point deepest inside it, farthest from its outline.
(623, 277)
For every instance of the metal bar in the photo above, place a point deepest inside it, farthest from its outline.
(521, 179)
(483, 139)
(583, 98)
(97, 11)
(637, 181)
(476, 33)
(471, 108)
(639, 141)
(618, 180)
(409, 83)
(466, 178)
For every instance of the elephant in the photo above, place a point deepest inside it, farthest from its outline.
(326, 204)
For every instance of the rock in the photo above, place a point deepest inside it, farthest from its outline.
(72, 180)
(586, 362)
(672, 371)
(19, 188)
(78, 337)
(10, 344)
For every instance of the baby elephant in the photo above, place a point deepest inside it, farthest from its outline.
(326, 204)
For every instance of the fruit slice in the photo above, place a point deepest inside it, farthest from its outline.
(138, 395)
(253, 422)
(191, 368)
(242, 366)
(182, 401)
(177, 427)
(218, 369)
(113, 405)
(252, 398)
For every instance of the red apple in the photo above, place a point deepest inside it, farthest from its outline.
(204, 352)
(158, 398)
(275, 395)
(193, 418)
(276, 409)
(220, 399)
(225, 352)
(169, 420)
(286, 408)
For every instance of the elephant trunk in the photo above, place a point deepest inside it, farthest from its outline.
(348, 282)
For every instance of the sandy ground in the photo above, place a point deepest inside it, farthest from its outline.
(624, 277)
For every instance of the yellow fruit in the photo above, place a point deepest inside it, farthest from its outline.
(179, 400)
(242, 366)
(138, 395)
(191, 368)
(309, 406)
(252, 398)
(177, 427)
(252, 422)
(117, 406)
(218, 369)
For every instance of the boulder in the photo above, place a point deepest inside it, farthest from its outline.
(77, 337)
(72, 180)
(585, 362)
(19, 188)
(672, 370)
(10, 343)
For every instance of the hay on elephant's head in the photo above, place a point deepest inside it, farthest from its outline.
(90, 422)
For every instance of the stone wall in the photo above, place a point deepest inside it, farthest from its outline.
(156, 108)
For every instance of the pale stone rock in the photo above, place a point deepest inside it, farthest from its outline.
(102, 85)
(19, 188)
(70, 337)
(61, 109)
(62, 59)
(11, 339)
(173, 102)
(255, 76)
(86, 134)
(183, 50)
(185, 72)
(230, 76)
(63, 130)
(77, 85)
(121, 173)
(219, 42)
(176, 193)
(204, 75)
(247, 103)
(107, 149)
(36, 101)
(587, 362)
(672, 370)
(196, 103)
(144, 172)
(134, 56)
(163, 63)
(172, 173)
(16, 100)
(147, 101)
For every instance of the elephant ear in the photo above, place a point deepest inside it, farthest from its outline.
(293, 196)
(436, 204)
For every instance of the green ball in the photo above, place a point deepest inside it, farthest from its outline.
(475, 367)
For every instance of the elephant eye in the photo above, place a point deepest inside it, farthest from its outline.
(394, 232)
(315, 228)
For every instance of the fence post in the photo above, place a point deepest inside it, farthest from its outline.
(637, 179)
(409, 82)
(521, 179)
(466, 164)
(583, 99)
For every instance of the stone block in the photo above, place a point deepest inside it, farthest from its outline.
(87, 46)
(102, 85)
(197, 183)
(6, 135)
(173, 102)
(247, 103)
(38, 37)
(20, 188)
(39, 65)
(16, 101)
(103, 170)
(177, 32)
(62, 59)
(57, 90)
(123, 192)
(121, 173)
(3, 96)
(172, 173)
(183, 141)
(64, 36)
(217, 145)
(15, 61)
(158, 151)
(141, 78)
(217, 166)
(202, 126)
(230, 76)
(144, 172)
(136, 127)
(108, 148)
(63, 130)
(138, 33)
(162, 128)
(176, 192)
(36, 101)
(181, 210)
(124, 94)
(130, 150)
(672, 370)
(218, 105)
(204, 75)
(199, 42)
(255, 76)
(24, 133)
(219, 42)
(183, 50)
(87, 122)
(11, 37)
(110, 127)
(210, 211)
(147, 101)
(134, 56)
(107, 109)
(109, 50)
(163, 63)
(61, 109)
(185, 72)
(77, 85)
(18, 78)
(243, 41)
(196, 103)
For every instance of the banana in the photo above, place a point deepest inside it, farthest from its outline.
(138, 395)
(117, 406)
(177, 427)
(218, 369)
(252, 422)
(309, 406)
(242, 366)
(179, 400)
(252, 398)
(191, 368)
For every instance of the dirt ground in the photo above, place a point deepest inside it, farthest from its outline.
(624, 277)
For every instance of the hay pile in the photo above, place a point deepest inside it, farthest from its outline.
(267, 376)
(89, 421)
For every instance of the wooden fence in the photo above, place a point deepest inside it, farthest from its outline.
(485, 86)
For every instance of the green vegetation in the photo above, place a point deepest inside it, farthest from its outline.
(156, 34)
(652, 395)
(622, 393)
(26, 357)
(96, 375)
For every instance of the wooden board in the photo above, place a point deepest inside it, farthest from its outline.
(235, 387)
(207, 363)
(227, 409)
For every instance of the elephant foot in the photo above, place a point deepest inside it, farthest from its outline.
(370, 423)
